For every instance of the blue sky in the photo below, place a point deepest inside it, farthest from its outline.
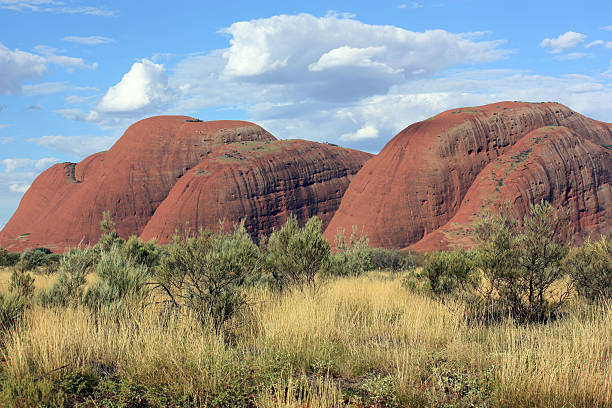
(75, 74)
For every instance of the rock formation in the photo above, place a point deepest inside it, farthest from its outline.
(551, 163)
(260, 183)
(424, 190)
(64, 205)
(419, 181)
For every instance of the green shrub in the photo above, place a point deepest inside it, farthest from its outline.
(352, 258)
(21, 283)
(121, 282)
(297, 256)
(449, 273)
(590, 267)
(142, 253)
(207, 273)
(522, 265)
(33, 258)
(3, 257)
(72, 277)
(391, 259)
(381, 392)
(8, 258)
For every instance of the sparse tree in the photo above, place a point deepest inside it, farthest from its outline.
(521, 264)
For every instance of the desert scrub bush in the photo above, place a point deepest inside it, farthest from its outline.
(297, 257)
(590, 267)
(33, 258)
(68, 289)
(522, 265)
(207, 273)
(391, 259)
(352, 257)
(21, 283)
(142, 253)
(4, 257)
(449, 273)
(8, 258)
(121, 282)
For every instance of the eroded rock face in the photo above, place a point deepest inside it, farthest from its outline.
(260, 183)
(64, 205)
(551, 163)
(418, 182)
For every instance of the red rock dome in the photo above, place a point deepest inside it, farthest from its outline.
(64, 205)
(418, 182)
(260, 183)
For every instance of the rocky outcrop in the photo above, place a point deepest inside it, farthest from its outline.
(171, 172)
(418, 182)
(64, 205)
(260, 183)
(553, 164)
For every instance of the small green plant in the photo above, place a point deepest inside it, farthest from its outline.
(21, 283)
(380, 392)
(298, 256)
(72, 277)
(453, 386)
(449, 273)
(33, 258)
(78, 384)
(142, 253)
(121, 282)
(12, 307)
(352, 257)
(109, 237)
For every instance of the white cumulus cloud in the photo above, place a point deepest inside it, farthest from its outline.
(366, 132)
(291, 43)
(563, 42)
(343, 57)
(143, 87)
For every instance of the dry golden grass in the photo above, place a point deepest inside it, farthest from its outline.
(41, 280)
(309, 349)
